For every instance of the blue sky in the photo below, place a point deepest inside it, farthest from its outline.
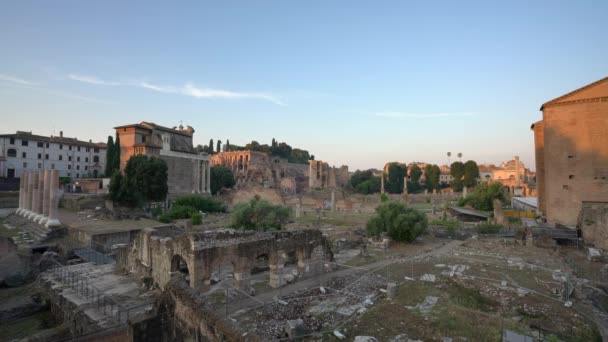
(360, 83)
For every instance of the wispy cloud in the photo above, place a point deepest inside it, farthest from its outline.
(90, 80)
(421, 115)
(16, 80)
(188, 89)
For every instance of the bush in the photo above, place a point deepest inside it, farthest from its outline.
(156, 212)
(258, 214)
(488, 228)
(205, 204)
(197, 218)
(144, 179)
(177, 212)
(383, 198)
(399, 222)
(483, 196)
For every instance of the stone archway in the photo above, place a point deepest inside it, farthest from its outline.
(179, 267)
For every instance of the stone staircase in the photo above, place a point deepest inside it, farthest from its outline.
(30, 233)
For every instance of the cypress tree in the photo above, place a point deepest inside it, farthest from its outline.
(109, 157)
(219, 146)
(211, 146)
(116, 154)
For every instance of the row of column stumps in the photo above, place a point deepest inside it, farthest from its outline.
(39, 197)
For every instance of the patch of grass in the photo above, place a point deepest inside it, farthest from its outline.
(446, 223)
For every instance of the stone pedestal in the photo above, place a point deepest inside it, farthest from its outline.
(53, 220)
(391, 290)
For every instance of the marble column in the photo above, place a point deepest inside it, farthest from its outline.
(34, 200)
(21, 195)
(53, 220)
(46, 197)
(208, 173)
(39, 215)
(26, 194)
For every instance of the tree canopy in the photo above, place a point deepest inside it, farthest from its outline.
(457, 173)
(395, 178)
(471, 173)
(399, 222)
(145, 179)
(432, 173)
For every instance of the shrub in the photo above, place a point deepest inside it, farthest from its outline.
(399, 222)
(197, 218)
(483, 196)
(383, 198)
(488, 228)
(177, 212)
(156, 211)
(258, 214)
(446, 223)
(205, 204)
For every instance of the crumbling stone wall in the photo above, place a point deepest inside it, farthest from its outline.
(251, 168)
(156, 254)
(322, 176)
(593, 222)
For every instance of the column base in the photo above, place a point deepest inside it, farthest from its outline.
(43, 220)
(24, 212)
(18, 212)
(52, 223)
(31, 215)
(37, 217)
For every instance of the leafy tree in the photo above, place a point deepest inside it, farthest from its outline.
(200, 148)
(415, 173)
(457, 173)
(471, 173)
(413, 188)
(221, 177)
(260, 215)
(483, 196)
(145, 179)
(210, 146)
(432, 173)
(109, 156)
(394, 182)
(399, 222)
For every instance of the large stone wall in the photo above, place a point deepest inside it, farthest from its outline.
(323, 176)
(573, 145)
